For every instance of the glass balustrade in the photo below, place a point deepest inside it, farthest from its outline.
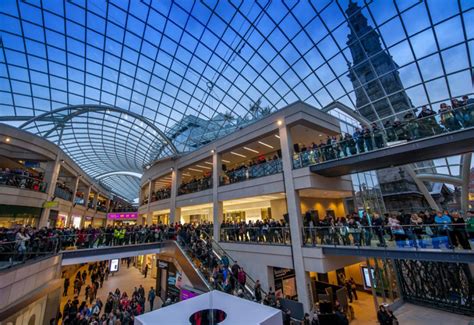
(63, 193)
(259, 235)
(424, 236)
(396, 133)
(245, 173)
(195, 186)
(22, 181)
(21, 249)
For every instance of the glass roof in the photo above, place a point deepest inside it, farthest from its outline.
(139, 72)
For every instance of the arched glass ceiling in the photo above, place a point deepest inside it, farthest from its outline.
(184, 63)
(125, 185)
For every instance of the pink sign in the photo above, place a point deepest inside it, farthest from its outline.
(122, 215)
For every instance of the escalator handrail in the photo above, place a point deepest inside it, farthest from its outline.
(219, 252)
(185, 250)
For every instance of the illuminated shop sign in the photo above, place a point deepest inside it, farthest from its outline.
(122, 215)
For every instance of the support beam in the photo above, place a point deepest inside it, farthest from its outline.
(456, 181)
(50, 177)
(303, 286)
(217, 206)
(422, 187)
(465, 175)
(175, 213)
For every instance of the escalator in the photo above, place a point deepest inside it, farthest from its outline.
(249, 288)
(183, 260)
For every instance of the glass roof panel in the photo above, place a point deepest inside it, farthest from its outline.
(176, 64)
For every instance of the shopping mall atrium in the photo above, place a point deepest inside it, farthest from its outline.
(236, 162)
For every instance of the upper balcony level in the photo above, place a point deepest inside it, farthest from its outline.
(249, 157)
(34, 171)
(429, 136)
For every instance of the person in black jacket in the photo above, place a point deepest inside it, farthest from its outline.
(385, 316)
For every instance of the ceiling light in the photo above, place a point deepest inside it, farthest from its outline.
(205, 167)
(265, 144)
(277, 136)
(238, 154)
(279, 122)
(212, 150)
(195, 170)
(172, 168)
(226, 161)
(147, 167)
(207, 162)
(184, 174)
(255, 151)
(7, 139)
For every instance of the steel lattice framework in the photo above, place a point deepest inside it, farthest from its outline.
(158, 62)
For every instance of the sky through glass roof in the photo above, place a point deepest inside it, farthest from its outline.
(148, 65)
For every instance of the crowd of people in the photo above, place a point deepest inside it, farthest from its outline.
(196, 184)
(63, 191)
(257, 167)
(22, 178)
(118, 307)
(261, 231)
(367, 138)
(438, 229)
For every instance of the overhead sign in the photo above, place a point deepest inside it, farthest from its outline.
(122, 215)
(50, 204)
(32, 164)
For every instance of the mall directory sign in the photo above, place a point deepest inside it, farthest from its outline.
(122, 216)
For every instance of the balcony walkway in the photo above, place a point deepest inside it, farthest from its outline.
(443, 145)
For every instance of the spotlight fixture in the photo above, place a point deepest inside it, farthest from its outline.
(62, 161)
(172, 168)
(213, 150)
(279, 122)
(7, 139)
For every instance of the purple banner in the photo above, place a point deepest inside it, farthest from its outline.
(186, 294)
(122, 215)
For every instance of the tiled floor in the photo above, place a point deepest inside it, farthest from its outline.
(409, 314)
(126, 279)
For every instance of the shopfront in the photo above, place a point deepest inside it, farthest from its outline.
(87, 221)
(168, 280)
(12, 215)
(62, 220)
(98, 222)
(123, 218)
(76, 221)
(285, 283)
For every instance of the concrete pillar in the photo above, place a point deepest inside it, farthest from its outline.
(107, 205)
(76, 185)
(86, 196)
(94, 201)
(217, 206)
(150, 188)
(51, 174)
(175, 213)
(149, 218)
(303, 285)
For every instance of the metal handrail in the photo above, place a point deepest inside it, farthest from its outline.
(21, 181)
(220, 252)
(408, 130)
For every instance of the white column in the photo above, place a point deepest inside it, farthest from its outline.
(175, 213)
(76, 186)
(107, 205)
(303, 284)
(150, 188)
(94, 201)
(86, 196)
(51, 174)
(217, 206)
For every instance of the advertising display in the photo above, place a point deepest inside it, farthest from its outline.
(114, 265)
(186, 294)
(366, 277)
(122, 216)
(285, 285)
